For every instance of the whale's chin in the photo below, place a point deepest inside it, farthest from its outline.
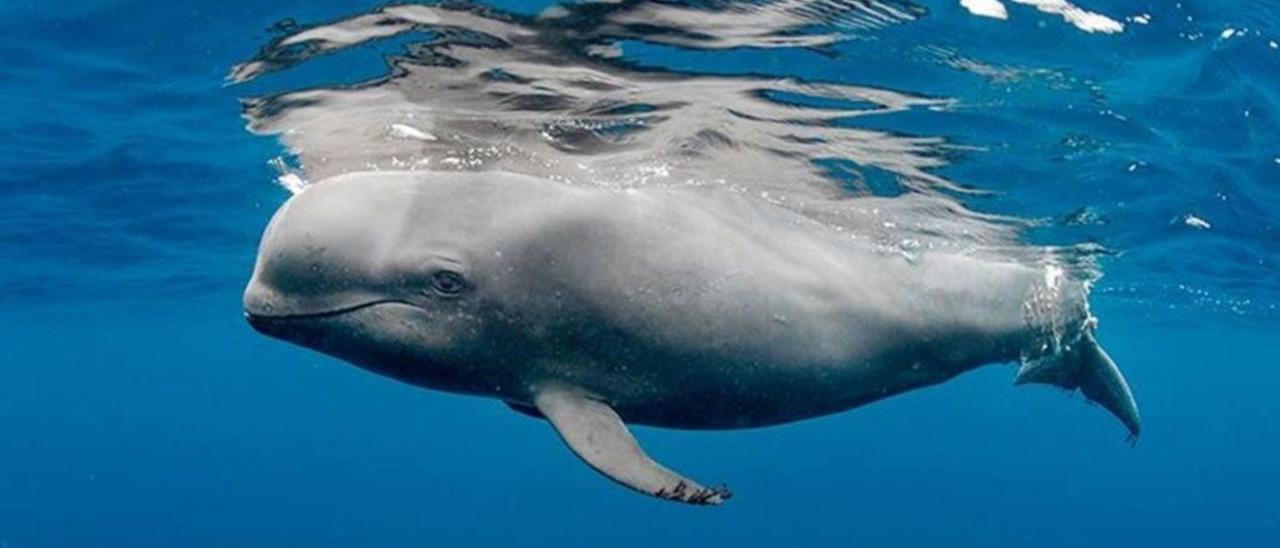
(321, 330)
(259, 310)
(384, 337)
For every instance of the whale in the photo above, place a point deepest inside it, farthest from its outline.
(693, 308)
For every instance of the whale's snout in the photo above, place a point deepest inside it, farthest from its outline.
(260, 300)
(324, 251)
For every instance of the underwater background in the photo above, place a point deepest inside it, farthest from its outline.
(146, 144)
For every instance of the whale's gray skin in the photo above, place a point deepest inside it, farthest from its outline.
(682, 308)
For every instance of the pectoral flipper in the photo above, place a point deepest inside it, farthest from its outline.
(599, 437)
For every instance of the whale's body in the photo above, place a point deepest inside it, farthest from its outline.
(682, 308)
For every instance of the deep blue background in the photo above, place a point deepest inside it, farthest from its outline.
(137, 409)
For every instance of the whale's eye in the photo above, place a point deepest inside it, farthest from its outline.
(448, 282)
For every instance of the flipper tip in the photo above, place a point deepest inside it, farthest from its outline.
(695, 494)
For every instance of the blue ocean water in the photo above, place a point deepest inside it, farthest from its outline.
(139, 409)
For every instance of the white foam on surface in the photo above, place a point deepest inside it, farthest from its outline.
(1196, 222)
(1053, 275)
(986, 8)
(292, 182)
(410, 132)
(1084, 20)
(288, 177)
(1079, 18)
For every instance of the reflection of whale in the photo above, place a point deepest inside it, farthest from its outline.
(683, 308)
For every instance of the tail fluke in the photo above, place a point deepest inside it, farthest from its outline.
(1086, 366)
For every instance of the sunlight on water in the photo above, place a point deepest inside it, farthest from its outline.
(1149, 152)
(556, 97)
(566, 94)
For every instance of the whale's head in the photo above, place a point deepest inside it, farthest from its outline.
(393, 276)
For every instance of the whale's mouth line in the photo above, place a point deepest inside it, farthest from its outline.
(253, 317)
